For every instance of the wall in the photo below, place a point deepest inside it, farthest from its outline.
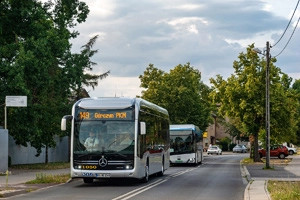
(3, 150)
(215, 132)
(26, 155)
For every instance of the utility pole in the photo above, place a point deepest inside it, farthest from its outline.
(268, 106)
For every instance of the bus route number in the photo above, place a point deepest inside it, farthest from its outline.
(84, 115)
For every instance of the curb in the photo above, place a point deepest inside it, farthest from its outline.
(246, 192)
(266, 189)
(246, 176)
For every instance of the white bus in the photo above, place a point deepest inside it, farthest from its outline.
(186, 144)
(145, 151)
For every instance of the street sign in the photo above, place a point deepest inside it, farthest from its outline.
(16, 101)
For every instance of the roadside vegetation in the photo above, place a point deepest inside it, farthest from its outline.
(44, 166)
(246, 161)
(284, 190)
(43, 178)
(273, 161)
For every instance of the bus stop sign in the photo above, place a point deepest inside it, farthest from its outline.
(16, 101)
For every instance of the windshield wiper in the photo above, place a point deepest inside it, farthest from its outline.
(111, 143)
(88, 154)
(103, 146)
(111, 152)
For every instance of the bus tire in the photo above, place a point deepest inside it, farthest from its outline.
(146, 177)
(196, 161)
(88, 180)
(161, 173)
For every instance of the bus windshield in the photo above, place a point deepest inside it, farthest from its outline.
(103, 136)
(181, 142)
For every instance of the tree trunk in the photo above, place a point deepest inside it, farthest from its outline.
(251, 139)
(46, 154)
(256, 157)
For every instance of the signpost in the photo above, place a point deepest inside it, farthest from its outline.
(14, 101)
(10, 101)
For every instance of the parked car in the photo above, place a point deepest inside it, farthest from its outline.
(292, 150)
(279, 151)
(214, 150)
(239, 148)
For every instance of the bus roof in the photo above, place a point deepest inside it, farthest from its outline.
(185, 127)
(116, 103)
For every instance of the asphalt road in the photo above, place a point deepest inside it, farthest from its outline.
(219, 177)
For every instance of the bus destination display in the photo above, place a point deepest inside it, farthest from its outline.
(104, 115)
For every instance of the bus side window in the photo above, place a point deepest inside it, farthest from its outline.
(143, 128)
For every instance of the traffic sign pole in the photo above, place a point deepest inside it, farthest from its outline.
(5, 115)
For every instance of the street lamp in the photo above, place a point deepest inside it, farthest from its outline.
(257, 50)
(267, 102)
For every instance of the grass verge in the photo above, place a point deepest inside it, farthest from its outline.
(49, 178)
(284, 190)
(273, 161)
(247, 161)
(44, 166)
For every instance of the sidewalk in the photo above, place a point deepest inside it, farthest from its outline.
(21, 176)
(14, 183)
(257, 187)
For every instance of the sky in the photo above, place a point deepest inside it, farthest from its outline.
(207, 34)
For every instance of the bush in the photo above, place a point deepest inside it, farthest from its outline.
(224, 144)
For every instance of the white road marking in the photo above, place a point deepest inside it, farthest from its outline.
(137, 191)
(143, 190)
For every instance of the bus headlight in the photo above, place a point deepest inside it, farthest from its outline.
(77, 167)
(128, 167)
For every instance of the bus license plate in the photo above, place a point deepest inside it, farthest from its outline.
(103, 175)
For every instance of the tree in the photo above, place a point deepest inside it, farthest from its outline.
(76, 69)
(242, 98)
(296, 88)
(181, 92)
(231, 127)
(36, 61)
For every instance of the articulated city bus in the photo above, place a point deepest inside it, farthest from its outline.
(118, 138)
(186, 144)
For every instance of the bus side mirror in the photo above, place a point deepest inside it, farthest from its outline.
(63, 125)
(143, 128)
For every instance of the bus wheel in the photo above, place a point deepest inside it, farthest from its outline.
(88, 180)
(161, 173)
(146, 177)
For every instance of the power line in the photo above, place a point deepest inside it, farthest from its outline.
(287, 25)
(289, 38)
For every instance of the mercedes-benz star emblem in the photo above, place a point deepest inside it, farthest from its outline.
(102, 162)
